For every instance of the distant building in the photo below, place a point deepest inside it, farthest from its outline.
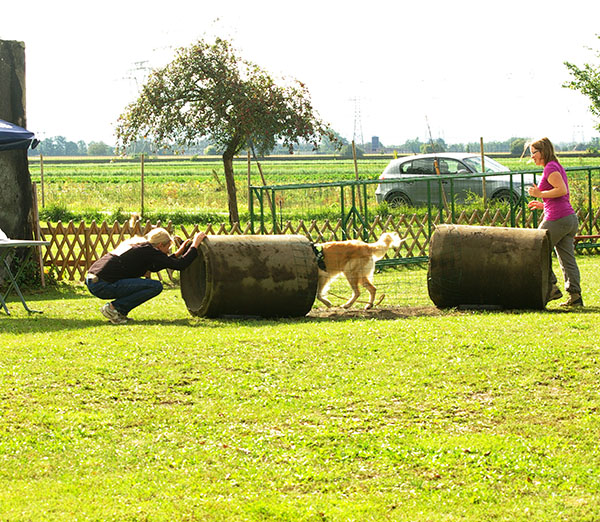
(376, 145)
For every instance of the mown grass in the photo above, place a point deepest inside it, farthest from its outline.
(430, 416)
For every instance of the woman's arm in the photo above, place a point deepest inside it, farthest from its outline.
(558, 187)
(186, 244)
(183, 247)
(162, 260)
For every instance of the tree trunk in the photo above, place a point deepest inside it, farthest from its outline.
(16, 197)
(234, 217)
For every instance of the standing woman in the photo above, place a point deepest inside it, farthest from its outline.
(118, 275)
(559, 219)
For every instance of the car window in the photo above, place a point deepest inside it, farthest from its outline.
(490, 165)
(452, 166)
(418, 167)
(392, 168)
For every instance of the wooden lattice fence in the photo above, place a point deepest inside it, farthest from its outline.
(74, 247)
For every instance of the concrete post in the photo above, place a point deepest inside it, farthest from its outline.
(16, 196)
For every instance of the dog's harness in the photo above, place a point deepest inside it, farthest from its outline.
(318, 251)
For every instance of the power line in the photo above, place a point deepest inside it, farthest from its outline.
(357, 133)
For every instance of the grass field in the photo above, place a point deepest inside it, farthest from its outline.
(192, 190)
(406, 413)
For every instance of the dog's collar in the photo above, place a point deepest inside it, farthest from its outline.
(319, 255)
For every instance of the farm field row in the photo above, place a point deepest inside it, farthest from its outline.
(275, 172)
(185, 186)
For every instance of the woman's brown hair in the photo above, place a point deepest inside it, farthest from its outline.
(546, 149)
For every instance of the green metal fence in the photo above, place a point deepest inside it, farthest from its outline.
(355, 207)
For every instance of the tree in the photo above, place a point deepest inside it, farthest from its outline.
(587, 81)
(99, 148)
(207, 90)
(413, 146)
(438, 145)
(518, 146)
(71, 148)
(332, 142)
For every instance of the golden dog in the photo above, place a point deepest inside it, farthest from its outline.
(356, 260)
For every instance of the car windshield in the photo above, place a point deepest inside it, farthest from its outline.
(490, 165)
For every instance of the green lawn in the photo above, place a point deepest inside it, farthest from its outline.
(425, 415)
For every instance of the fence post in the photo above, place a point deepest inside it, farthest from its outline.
(483, 170)
(42, 178)
(249, 184)
(36, 232)
(356, 170)
(344, 235)
(142, 186)
(251, 208)
(590, 206)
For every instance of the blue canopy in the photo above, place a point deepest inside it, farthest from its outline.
(14, 137)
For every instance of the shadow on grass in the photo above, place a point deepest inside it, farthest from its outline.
(406, 312)
(49, 294)
(575, 310)
(341, 314)
(38, 323)
(62, 291)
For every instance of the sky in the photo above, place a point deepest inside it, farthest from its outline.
(457, 70)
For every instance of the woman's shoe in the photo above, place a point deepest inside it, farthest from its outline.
(573, 300)
(554, 294)
(114, 316)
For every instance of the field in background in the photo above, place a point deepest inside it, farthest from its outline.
(185, 185)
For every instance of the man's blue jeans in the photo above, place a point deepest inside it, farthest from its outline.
(127, 293)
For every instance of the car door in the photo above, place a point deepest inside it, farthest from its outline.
(418, 190)
(460, 188)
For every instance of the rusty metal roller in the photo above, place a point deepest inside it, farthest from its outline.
(267, 276)
(489, 266)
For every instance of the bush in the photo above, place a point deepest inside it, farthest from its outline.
(29, 276)
(56, 212)
(211, 150)
(346, 152)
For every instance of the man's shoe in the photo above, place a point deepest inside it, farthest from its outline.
(554, 294)
(114, 316)
(573, 301)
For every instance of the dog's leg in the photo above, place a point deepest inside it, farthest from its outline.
(355, 292)
(371, 289)
(323, 287)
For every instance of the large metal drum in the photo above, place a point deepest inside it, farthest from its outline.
(268, 276)
(493, 266)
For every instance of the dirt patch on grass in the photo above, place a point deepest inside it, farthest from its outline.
(392, 312)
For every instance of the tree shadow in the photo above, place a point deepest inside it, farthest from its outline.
(38, 323)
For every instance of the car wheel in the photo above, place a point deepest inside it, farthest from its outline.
(505, 196)
(398, 199)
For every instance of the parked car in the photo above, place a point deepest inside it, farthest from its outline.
(450, 163)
